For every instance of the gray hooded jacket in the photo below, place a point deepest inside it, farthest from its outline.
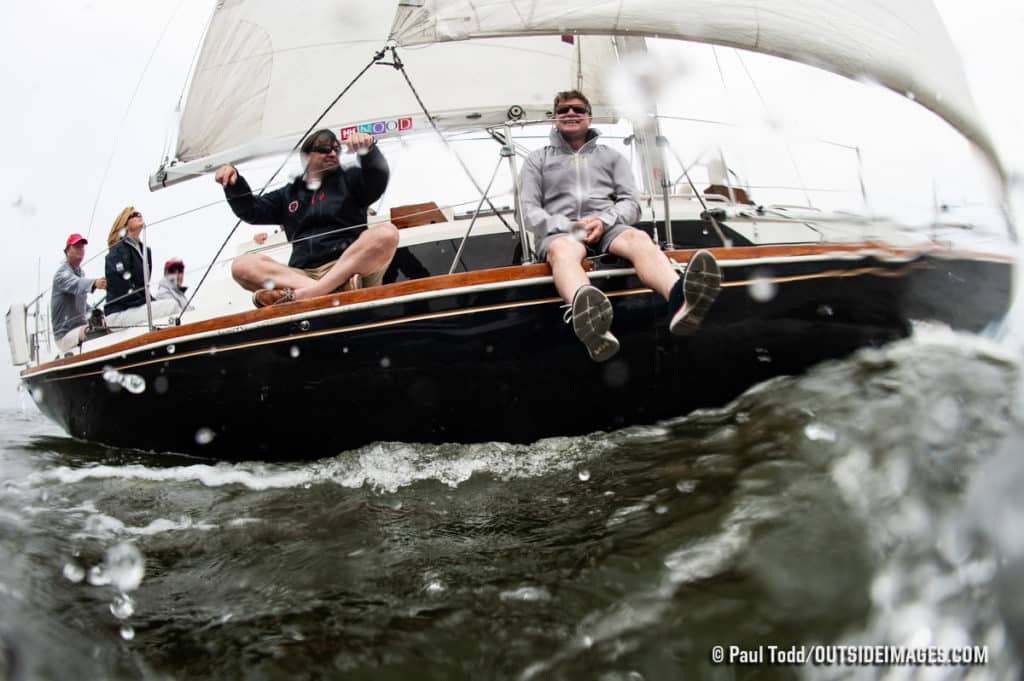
(68, 299)
(559, 186)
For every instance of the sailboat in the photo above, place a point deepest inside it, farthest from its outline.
(465, 341)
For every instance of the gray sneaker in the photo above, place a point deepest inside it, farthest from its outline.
(693, 294)
(591, 317)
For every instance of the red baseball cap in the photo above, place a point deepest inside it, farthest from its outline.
(74, 239)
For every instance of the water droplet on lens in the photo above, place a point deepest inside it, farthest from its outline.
(661, 509)
(124, 566)
(127, 632)
(170, 349)
(122, 607)
(294, 351)
(584, 474)
(489, 349)
(817, 432)
(126, 276)
(385, 362)
(133, 383)
(344, 350)
(435, 587)
(204, 436)
(160, 385)
(73, 572)
(825, 311)
(37, 394)
(97, 577)
(335, 302)
(268, 284)
(762, 288)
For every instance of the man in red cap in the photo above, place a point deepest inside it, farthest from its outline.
(68, 293)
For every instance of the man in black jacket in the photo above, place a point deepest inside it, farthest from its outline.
(323, 213)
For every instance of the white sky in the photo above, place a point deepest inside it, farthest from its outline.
(68, 70)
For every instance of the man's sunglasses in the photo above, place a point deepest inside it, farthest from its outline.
(575, 108)
(326, 148)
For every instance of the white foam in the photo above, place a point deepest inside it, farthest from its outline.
(105, 526)
(386, 466)
(254, 477)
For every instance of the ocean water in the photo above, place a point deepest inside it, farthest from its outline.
(874, 501)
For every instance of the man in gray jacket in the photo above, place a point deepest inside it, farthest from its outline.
(578, 196)
(68, 293)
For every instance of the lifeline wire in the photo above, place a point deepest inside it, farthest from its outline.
(401, 67)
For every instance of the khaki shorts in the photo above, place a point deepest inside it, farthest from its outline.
(317, 273)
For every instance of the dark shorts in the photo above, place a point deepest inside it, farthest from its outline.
(600, 248)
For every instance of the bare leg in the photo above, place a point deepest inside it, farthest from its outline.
(370, 252)
(254, 272)
(652, 266)
(565, 255)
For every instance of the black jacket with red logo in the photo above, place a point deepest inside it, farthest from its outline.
(319, 223)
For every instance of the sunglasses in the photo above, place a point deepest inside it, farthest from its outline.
(575, 108)
(136, 214)
(326, 148)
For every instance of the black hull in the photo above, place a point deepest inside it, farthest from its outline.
(498, 364)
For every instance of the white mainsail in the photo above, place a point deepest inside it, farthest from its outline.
(267, 69)
(901, 44)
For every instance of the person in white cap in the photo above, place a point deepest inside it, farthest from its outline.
(68, 295)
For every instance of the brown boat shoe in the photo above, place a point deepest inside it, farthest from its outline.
(354, 283)
(274, 296)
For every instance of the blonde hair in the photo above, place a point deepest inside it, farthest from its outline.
(117, 229)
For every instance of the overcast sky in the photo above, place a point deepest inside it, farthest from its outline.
(89, 87)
